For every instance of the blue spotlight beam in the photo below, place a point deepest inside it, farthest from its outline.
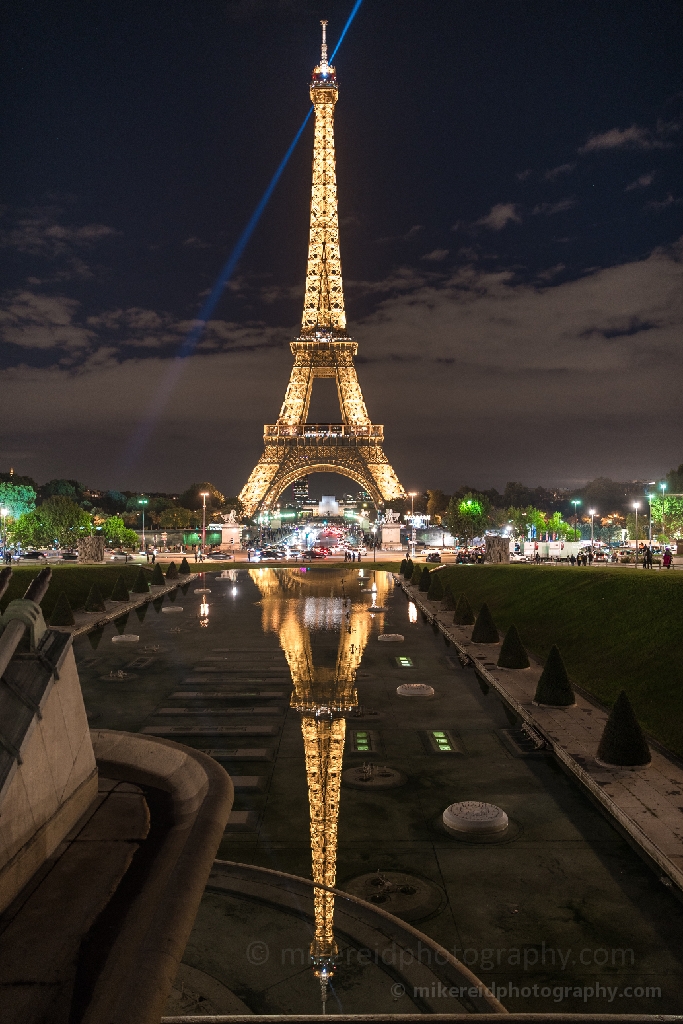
(167, 385)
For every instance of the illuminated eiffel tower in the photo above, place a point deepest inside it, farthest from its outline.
(294, 447)
(323, 694)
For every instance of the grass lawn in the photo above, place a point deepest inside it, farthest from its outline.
(616, 629)
(74, 580)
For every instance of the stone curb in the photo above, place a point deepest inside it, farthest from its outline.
(634, 832)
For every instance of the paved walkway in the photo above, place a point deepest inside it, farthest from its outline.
(646, 802)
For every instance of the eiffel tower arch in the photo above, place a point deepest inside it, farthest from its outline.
(293, 447)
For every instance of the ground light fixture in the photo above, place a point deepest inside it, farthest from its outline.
(575, 502)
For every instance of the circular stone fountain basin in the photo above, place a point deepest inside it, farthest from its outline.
(415, 690)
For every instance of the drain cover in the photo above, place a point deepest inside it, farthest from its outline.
(407, 896)
(373, 776)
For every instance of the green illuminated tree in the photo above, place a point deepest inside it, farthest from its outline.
(18, 499)
(57, 520)
(468, 516)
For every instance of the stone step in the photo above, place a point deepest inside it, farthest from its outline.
(210, 730)
(229, 694)
(221, 711)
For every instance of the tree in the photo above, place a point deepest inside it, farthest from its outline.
(437, 503)
(556, 524)
(129, 539)
(642, 526)
(192, 497)
(18, 499)
(62, 488)
(113, 528)
(468, 516)
(177, 519)
(57, 519)
(667, 512)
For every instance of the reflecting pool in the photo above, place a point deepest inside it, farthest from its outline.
(282, 676)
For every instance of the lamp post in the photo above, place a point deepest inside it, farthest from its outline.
(662, 488)
(413, 538)
(575, 502)
(636, 505)
(204, 495)
(374, 543)
(143, 502)
(4, 512)
(591, 513)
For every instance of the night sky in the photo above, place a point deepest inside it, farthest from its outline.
(511, 214)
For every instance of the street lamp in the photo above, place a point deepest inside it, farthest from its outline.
(204, 495)
(374, 543)
(4, 512)
(636, 505)
(143, 502)
(413, 538)
(575, 502)
(662, 488)
(591, 513)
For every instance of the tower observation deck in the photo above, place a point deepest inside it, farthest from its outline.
(293, 447)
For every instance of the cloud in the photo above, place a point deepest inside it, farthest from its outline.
(41, 236)
(663, 204)
(500, 215)
(642, 182)
(196, 243)
(523, 175)
(634, 137)
(550, 208)
(436, 255)
(33, 321)
(555, 172)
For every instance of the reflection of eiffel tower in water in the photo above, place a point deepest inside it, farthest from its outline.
(293, 447)
(323, 693)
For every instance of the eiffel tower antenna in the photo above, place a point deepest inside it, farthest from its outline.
(292, 446)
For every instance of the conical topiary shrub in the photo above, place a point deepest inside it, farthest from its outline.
(409, 567)
(156, 605)
(95, 636)
(485, 631)
(402, 567)
(61, 613)
(141, 585)
(554, 688)
(417, 576)
(94, 601)
(120, 591)
(512, 653)
(121, 623)
(464, 616)
(172, 571)
(425, 580)
(157, 579)
(448, 599)
(435, 592)
(184, 569)
(141, 611)
(623, 743)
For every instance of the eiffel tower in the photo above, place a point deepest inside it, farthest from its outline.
(294, 447)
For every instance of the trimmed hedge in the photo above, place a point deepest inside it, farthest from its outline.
(623, 742)
(417, 576)
(62, 614)
(120, 591)
(94, 601)
(485, 630)
(184, 569)
(172, 571)
(554, 688)
(424, 580)
(464, 616)
(513, 653)
(435, 592)
(141, 585)
(158, 577)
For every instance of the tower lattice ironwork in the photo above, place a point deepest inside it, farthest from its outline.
(293, 446)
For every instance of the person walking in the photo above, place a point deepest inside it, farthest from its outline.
(650, 557)
(666, 560)
(590, 557)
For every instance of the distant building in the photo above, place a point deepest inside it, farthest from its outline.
(300, 490)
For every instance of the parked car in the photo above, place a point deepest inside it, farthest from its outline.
(220, 556)
(433, 557)
(70, 556)
(313, 553)
(33, 556)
